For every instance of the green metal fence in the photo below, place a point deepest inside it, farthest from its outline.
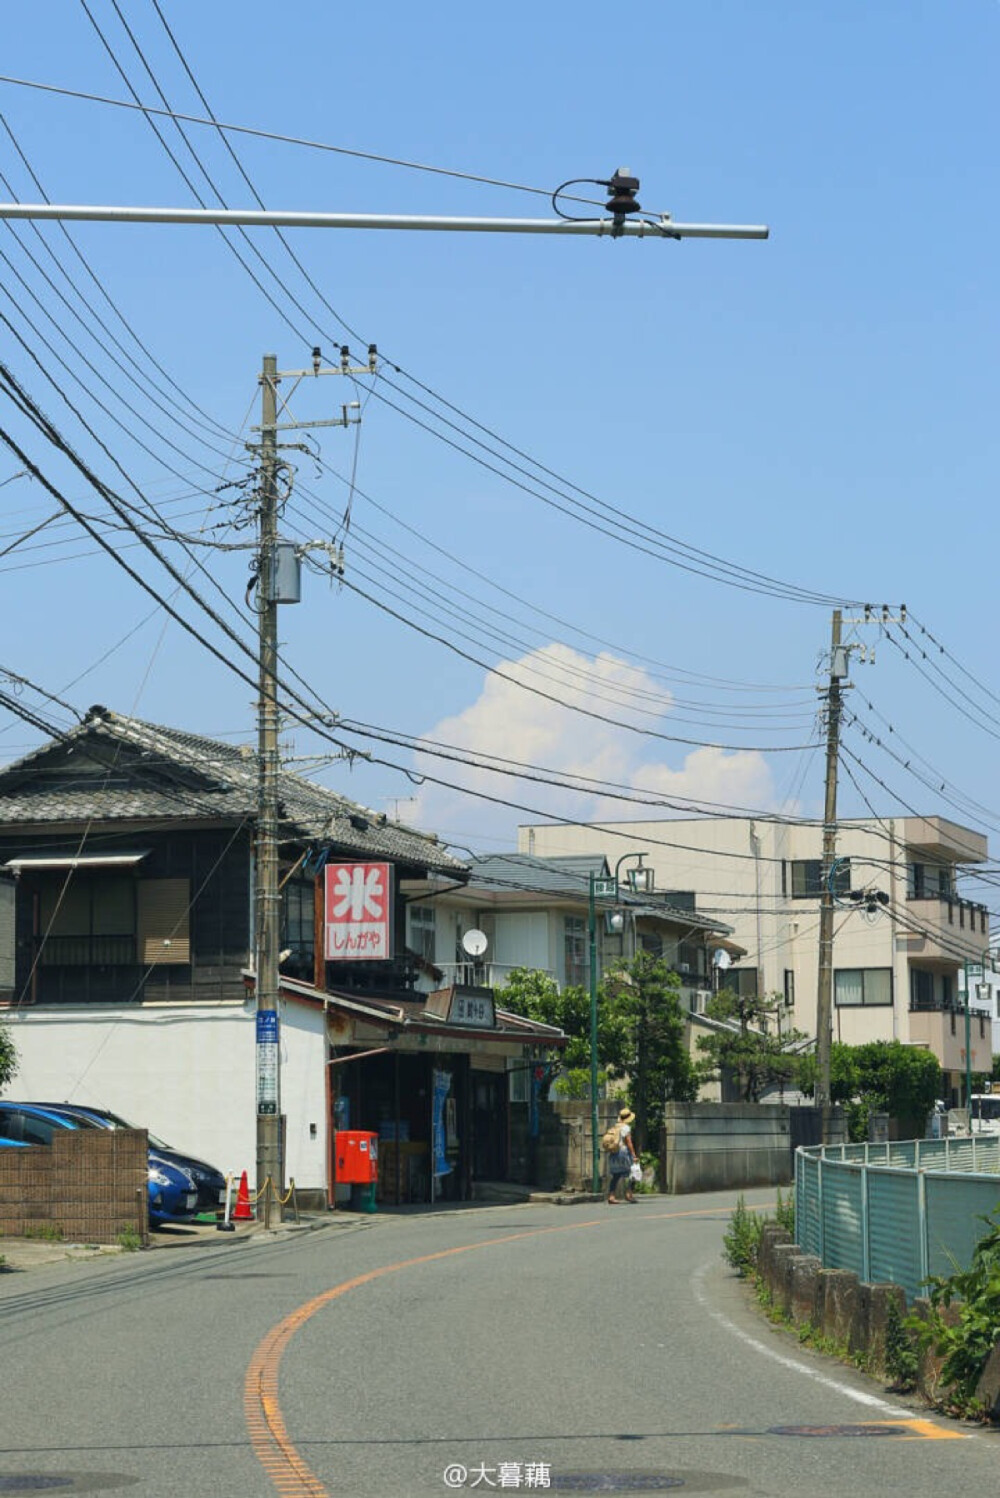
(896, 1213)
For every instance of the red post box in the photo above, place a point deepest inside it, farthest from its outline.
(356, 1157)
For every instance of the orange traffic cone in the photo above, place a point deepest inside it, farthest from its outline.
(244, 1211)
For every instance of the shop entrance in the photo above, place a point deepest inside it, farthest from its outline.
(489, 1125)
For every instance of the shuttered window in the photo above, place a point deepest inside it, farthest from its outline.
(164, 926)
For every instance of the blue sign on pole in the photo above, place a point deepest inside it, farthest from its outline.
(267, 1061)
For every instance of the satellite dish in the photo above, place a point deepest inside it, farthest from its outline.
(721, 958)
(475, 943)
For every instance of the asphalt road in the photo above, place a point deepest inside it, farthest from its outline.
(582, 1349)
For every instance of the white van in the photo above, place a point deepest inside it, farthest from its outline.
(985, 1113)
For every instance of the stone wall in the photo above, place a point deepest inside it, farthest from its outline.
(833, 1302)
(88, 1186)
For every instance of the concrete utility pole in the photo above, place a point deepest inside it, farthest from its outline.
(824, 994)
(269, 1155)
(276, 585)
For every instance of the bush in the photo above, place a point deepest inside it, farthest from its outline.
(966, 1345)
(900, 1350)
(741, 1239)
(784, 1212)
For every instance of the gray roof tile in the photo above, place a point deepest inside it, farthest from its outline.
(114, 768)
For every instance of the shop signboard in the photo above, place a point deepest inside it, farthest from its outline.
(358, 912)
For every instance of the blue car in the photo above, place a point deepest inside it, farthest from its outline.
(173, 1195)
(209, 1183)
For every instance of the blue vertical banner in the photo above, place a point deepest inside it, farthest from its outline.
(442, 1086)
(267, 1061)
(538, 1077)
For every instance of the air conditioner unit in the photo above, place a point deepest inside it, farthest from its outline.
(699, 998)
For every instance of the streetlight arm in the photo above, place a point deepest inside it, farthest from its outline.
(607, 228)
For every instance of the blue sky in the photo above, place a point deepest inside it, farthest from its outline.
(819, 408)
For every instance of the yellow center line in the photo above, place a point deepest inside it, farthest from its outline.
(269, 1438)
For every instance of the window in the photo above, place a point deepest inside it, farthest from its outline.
(575, 950)
(691, 958)
(804, 878)
(519, 1074)
(921, 989)
(87, 922)
(789, 988)
(863, 987)
(741, 980)
(423, 931)
(298, 924)
(929, 881)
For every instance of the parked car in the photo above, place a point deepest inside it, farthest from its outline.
(173, 1195)
(210, 1183)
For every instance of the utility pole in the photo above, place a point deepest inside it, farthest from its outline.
(824, 993)
(270, 1165)
(275, 585)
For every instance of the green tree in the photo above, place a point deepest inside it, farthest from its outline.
(640, 1035)
(749, 1049)
(8, 1055)
(882, 1076)
(537, 996)
(647, 1041)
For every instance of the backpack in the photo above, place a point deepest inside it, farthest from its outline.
(611, 1139)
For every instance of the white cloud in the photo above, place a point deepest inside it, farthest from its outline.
(508, 722)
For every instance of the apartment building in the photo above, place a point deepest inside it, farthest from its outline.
(898, 953)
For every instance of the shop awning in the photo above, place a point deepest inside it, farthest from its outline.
(77, 861)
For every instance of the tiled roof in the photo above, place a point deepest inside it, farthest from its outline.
(113, 768)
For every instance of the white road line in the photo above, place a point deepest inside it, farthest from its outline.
(872, 1400)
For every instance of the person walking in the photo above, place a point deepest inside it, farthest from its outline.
(620, 1159)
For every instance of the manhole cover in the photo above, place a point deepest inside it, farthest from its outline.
(836, 1430)
(614, 1482)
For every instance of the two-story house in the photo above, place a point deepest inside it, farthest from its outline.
(132, 986)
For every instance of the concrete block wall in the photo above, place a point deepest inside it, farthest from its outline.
(88, 1186)
(833, 1302)
(719, 1146)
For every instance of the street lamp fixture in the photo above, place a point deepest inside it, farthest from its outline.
(640, 881)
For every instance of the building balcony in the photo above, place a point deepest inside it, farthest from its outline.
(942, 1031)
(493, 974)
(952, 931)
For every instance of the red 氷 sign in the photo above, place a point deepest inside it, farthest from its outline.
(358, 905)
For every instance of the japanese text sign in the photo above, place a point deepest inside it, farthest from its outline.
(358, 905)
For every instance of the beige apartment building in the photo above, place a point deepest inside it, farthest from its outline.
(898, 953)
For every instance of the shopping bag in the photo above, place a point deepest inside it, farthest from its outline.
(636, 1171)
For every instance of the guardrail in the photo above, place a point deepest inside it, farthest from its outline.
(896, 1213)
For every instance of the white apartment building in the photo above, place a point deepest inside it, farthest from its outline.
(896, 966)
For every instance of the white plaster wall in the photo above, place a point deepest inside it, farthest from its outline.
(185, 1072)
